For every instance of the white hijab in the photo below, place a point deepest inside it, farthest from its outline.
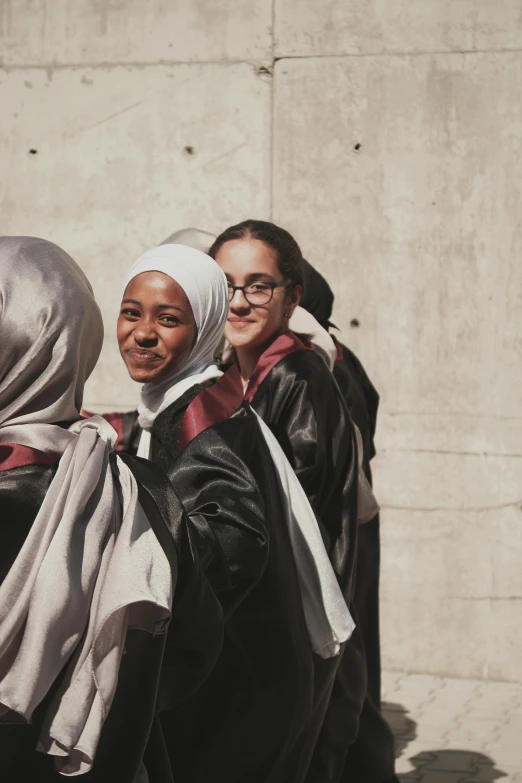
(205, 285)
(90, 565)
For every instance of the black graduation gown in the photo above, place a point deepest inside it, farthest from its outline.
(371, 757)
(251, 721)
(189, 647)
(363, 400)
(301, 402)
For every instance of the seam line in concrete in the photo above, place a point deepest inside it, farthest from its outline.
(272, 116)
(53, 66)
(450, 452)
(452, 414)
(490, 744)
(485, 598)
(429, 53)
(452, 508)
(444, 676)
(137, 64)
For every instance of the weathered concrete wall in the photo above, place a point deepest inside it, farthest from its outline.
(419, 232)
(143, 118)
(389, 141)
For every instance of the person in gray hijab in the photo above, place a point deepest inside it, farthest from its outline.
(191, 237)
(88, 562)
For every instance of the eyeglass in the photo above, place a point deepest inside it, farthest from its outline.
(258, 293)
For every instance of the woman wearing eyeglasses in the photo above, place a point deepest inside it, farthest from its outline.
(290, 387)
(285, 381)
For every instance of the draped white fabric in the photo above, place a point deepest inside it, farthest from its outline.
(90, 565)
(327, 617)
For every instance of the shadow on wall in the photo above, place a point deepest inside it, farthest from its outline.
(437, 766)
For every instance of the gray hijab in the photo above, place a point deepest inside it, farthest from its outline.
(90, 566)
(51, 334)
(192, 237)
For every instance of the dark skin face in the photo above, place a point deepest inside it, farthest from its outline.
(156, 328)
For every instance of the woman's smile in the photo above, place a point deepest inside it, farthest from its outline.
(143, 356)
(237, 322)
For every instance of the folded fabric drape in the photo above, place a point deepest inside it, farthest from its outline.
(90, 566)
(328, 619)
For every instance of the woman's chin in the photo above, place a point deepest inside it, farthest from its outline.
(241, 338)
(141, 376)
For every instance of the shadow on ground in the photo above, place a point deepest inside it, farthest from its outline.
(437, 766)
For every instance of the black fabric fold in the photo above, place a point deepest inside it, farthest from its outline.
(164, 667)
(252, 718)
(304, 407)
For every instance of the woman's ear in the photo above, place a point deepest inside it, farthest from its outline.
(294, 296)
(292, 299)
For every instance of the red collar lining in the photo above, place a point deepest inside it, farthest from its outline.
(212, 405)
(13, 455)
(284, 345)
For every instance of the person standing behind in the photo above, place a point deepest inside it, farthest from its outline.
(362, 400)
(288, 385)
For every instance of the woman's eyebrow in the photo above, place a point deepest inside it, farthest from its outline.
(158, 307)
(257, 276)
(170, 307)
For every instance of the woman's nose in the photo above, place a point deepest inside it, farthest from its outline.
(144, 334)
(238, 301)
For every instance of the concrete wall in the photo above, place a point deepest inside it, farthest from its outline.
(387, 137)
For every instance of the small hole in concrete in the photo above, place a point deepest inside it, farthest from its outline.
(189, 150)
(357, 147)
(355, 323)
(33, 152)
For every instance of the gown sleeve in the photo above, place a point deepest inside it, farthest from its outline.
(195, 633)
(226, 512)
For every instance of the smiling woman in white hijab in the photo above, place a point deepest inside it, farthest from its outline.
(80, 562)
(176, 355)
(255, 717)
(200, 286)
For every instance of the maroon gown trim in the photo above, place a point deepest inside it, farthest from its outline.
(339, 356)
(212, 405)
(115, 420)
(13, 455)
(282, 346)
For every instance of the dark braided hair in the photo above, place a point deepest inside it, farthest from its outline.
(287, 251)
